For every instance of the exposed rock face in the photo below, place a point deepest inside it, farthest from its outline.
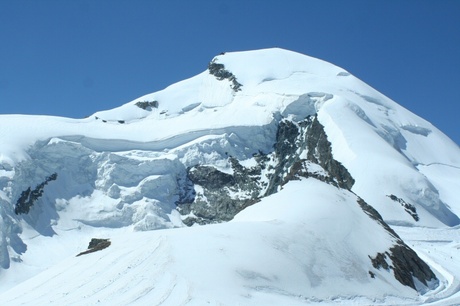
(301, 150)
(147, 105)
(223, 195)
(285, 153)
(409, 208)
(302, 144)
(96, 244)
(404, 262)
(219, 71)
(210, 178)
(29, 196)
(320, 151)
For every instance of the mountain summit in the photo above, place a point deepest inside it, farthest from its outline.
(271, 177)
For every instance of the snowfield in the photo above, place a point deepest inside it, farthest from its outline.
(305, 244)
(123, 174)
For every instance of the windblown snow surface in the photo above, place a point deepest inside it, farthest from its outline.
(119, 175)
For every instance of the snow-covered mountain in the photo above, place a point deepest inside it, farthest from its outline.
(270, 178)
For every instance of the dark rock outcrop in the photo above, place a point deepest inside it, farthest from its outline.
(223, 195)
(409, 208)
(298, 146)
(210, 178)
(400, 258)
(29, 196)
(293, 140)
(320, 151)
(406, 265)
(147, 105)
(284, 151)
(96, 244)
(219, 71)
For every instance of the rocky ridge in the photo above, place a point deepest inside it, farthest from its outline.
(301, 150)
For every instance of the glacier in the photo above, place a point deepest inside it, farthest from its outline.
(132, 174)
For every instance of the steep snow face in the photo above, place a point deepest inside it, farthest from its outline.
(308, 243)
(383, 144)
(130, 166)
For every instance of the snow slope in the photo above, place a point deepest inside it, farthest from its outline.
(282, 250)
(124, 170)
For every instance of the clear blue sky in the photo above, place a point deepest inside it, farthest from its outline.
(73, 58)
